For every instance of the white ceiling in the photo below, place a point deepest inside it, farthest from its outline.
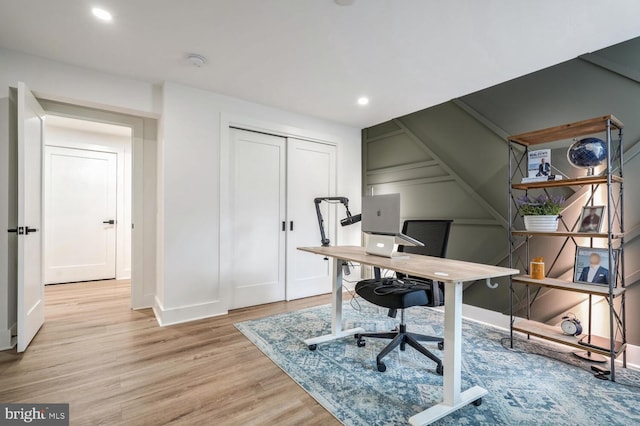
(315, 57)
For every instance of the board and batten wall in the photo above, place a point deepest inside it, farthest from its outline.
(450, 161)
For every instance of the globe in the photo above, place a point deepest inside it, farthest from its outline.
(587, 153)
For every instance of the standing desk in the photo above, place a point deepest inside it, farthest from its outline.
(453, 273)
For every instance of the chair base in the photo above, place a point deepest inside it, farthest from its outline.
(403, 338)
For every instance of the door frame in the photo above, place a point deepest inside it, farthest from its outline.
(139, 299)
(228, 121)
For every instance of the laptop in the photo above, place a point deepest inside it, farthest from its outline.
(381, 216)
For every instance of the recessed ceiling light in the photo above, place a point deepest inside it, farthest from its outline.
(363, 101)
(102, 14)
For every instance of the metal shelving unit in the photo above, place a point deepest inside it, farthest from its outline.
(612, 180)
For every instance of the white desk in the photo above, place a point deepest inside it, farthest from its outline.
(453, 273)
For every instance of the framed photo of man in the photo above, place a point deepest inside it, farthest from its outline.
(592, 266)
(591, 219)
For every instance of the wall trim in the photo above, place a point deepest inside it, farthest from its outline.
(424, 145)
(189, 313)
(614, 67)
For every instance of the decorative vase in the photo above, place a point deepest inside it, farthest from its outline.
(542, 223)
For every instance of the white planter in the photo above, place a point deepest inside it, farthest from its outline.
(542, 223)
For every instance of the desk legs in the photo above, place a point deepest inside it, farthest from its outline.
(336, 315)
(453, 398)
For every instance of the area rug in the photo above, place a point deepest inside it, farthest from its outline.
(533, 384)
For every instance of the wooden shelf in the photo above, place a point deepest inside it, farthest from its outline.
(607, 127)
(567, 131)
(586, 288)
(615, 235)
(555, 334)
(587, 180)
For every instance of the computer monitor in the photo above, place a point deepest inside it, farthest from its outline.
(381, 217)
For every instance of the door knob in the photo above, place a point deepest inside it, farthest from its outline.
(109, 222)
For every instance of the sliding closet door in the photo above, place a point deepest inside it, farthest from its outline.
(311, 173)
(258, 197)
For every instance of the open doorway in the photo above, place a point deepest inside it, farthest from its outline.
(142, 187)
(87, 200)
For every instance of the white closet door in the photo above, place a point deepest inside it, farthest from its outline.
(311, 173)
(80, 211)
(258, 197)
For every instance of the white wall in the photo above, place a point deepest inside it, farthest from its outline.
(189, 192)
(120, 145)
(82, 86)
(188, 160)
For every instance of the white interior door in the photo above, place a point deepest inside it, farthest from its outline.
(258, 194)
(30, 286)
(311, 173)
(80, 189)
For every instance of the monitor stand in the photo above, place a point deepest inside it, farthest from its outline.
(383, 245)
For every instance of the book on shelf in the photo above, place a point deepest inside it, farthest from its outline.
(541, 178)
(539, 163)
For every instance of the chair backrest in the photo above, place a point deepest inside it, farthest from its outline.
(433, 233)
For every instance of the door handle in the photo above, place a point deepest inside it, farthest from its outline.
(19, 230)
(109, 222)
(284, 225)
(27, 230)
(291, 226)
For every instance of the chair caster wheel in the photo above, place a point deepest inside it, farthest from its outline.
(361, 343)
(477, 402)
(439, 369)
(441, 346)
(313, 347)
(382, 367)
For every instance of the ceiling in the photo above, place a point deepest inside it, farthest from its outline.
(316, 57)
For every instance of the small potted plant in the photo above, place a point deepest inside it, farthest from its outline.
(540, 213)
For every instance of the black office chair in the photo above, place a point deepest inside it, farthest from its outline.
(406, 291)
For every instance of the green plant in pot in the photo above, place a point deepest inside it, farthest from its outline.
(540, 213)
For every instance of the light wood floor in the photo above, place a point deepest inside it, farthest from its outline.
(117, 366)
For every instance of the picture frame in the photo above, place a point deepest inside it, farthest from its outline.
(591, 218)
(602, 272)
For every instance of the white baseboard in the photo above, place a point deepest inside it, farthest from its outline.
(171, 316)
(498, 320)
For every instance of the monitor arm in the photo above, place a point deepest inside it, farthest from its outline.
(349, 220)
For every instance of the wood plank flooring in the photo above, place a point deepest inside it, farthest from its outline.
(116, 366)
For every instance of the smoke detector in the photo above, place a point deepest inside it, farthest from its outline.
(196, 60)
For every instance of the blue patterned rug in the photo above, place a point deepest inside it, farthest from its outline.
(533, 384)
